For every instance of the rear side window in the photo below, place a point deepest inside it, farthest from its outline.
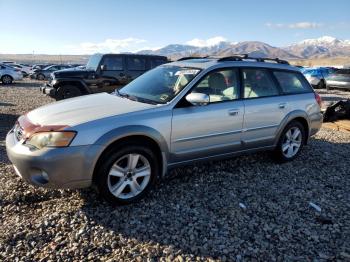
(157, 62)
(291, 83)
(258, 83)
(136, 63)
(113, 63)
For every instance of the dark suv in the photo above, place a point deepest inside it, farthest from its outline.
(103, 73)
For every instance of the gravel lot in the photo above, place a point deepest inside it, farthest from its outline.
(246, 208)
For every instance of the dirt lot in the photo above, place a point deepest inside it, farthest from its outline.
(246, 208)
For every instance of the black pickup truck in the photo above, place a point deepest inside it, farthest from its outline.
(102, 73)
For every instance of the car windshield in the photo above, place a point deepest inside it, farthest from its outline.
(159, 85)
(94, 61)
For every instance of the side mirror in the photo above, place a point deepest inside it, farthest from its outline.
(198, 99)
(103, 67)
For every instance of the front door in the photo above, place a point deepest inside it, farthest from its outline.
(200, 131)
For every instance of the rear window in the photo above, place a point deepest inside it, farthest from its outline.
(136, 63)
(291, 83)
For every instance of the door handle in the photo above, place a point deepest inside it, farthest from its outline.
(282, 105)
(233, 112)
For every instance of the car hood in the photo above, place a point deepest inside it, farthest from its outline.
(83, 109)
(72, 72)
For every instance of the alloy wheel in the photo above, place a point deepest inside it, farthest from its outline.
(129, 176)
(292, 142)
(6, 80)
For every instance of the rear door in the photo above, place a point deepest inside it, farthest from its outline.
(113, 74)
(264, 107)
(200, 131)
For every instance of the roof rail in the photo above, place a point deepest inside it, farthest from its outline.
(191, 57)
(241, 57)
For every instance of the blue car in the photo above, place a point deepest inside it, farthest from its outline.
(317, 76)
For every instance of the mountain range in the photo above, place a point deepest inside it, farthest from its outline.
(323, 47)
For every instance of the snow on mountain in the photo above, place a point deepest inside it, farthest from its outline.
(325, 46)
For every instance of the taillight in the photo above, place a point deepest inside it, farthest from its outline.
(318, 99)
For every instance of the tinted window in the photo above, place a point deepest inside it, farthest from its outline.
(291, 82)
(219, 85)
(258, 83)
(136, 63)
(342, 72)
(113, 63)
(157, 62)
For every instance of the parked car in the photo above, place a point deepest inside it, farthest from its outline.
(103, 73)
(25, 70)
(39, 66)
(317, 76)
(44, 74)
(176, 114)
(339, 79)
(9, 74)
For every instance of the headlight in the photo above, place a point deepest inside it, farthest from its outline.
(50, 139)
(53, 82)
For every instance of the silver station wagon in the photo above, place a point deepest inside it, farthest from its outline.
(178, 113)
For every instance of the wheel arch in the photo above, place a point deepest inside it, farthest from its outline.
(79, 84)
(144, 136)
(7, 75)
(299, 116)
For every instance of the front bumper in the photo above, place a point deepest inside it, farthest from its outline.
(68, 167)
(48, 90)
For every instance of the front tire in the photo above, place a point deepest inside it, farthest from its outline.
(126, 174)
(6, 79)
(67, 91)
(291, 142)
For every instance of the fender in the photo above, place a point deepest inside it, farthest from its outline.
(134, 130)
(289, 117)
(61, 81)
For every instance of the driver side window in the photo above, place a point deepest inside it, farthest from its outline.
(219, 85)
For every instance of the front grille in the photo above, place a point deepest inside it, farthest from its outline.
(18, 131)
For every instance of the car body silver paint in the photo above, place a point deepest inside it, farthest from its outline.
(184, 135)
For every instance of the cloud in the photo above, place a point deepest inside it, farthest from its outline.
(206, 43)
(109, 45)
(299, 25)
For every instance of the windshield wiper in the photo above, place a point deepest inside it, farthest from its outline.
(135, 98)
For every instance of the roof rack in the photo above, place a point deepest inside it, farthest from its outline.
(191, 57)
(241, 57)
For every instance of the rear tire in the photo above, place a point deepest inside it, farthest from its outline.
(67, 91)
(321, 84)
(291, 142)
(6, 79)
(126, 174)
(41, 77)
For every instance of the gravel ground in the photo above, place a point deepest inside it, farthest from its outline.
(246, 208)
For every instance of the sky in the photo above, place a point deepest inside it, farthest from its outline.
(89, 26)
